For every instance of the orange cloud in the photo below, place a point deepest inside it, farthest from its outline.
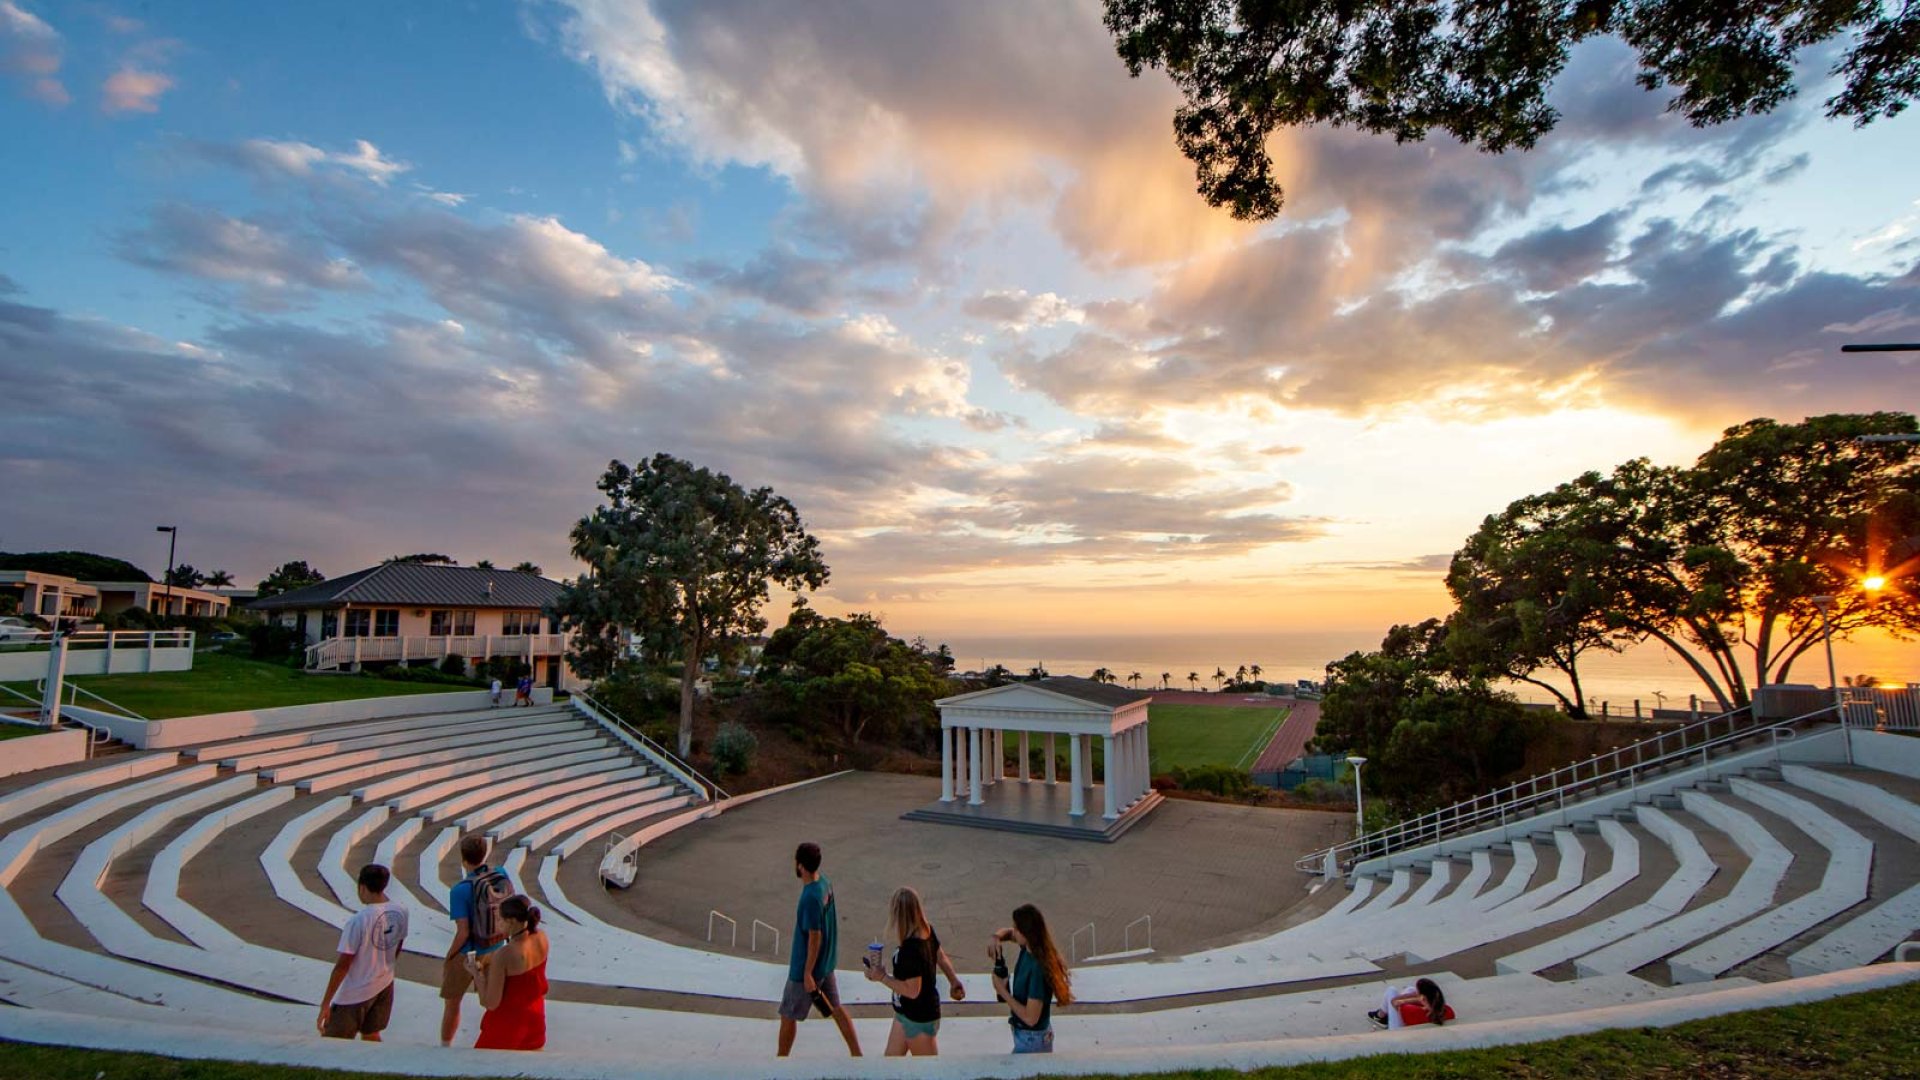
(131, 90)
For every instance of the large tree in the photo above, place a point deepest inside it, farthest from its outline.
(1480, 70)
(289, 576)
(682, 558)
(1720, 562)
(852, 675)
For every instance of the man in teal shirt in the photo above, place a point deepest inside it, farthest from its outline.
(816, 936)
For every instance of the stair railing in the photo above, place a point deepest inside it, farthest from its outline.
(1623, 766)
(665, 758)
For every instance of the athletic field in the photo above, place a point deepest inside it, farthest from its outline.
(1211, 734)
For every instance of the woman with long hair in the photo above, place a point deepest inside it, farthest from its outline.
(1036, 982)
(916, 997)
(1421, 1003)
(512, 982)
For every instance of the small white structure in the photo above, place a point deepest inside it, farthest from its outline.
(980, 730)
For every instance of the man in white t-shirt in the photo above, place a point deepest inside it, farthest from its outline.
(493, 693)
(359, 997)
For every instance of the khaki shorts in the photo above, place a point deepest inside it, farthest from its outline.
(455, 979)
(367, 1017)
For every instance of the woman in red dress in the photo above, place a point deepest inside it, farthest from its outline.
(512, 982)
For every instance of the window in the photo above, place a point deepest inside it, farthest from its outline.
(463, 623)
(386, 622)
(440, 624)
(359, 622)
(329, 625)
(514, 623)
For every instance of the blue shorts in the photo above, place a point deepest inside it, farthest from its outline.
(916, 1029)
(1033, 1042)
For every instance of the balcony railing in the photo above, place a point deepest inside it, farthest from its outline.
(338, 652)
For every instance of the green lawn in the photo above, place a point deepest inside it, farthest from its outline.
(220, 682)
(1864, 1037)
(1192, 735)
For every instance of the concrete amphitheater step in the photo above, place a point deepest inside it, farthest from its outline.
(1892, 823)
(230, 748)
(477, 730)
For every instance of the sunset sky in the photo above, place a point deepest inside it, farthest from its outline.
(337, 282)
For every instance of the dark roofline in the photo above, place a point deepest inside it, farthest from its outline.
(337, 592)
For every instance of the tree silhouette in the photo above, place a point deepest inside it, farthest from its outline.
(219, 579)
(1102, 675)
(1219, 674)
(1193, 680)
(1254, 670)
(1135, 680)
(1166, 679)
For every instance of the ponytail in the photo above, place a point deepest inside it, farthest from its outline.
(521, 909)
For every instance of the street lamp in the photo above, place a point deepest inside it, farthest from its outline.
(173, 534)
(1825, 604)
(1359, 804)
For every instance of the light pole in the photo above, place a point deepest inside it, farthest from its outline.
(1825, 604)
(1359, 803)
(173, 534)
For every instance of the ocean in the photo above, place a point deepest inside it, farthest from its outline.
(1647, 673)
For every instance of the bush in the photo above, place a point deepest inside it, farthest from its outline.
(133, 618)
(1323, 791)
(270, 641)
(733, 749)
(427, 674)
(455, 665)
(1219, 779)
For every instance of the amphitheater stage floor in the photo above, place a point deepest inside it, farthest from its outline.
(1037, 808)
(1208, 874)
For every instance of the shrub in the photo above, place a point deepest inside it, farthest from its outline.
(1219, 779)
(455, 665)
(1165, 782)
(733, 749)
(133, 618)
(270, 641)
(1323, 791)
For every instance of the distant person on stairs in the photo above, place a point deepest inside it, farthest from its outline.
(495, 692)
(474, 902)
(816, 933)
(1407, 1006)
(523, 692)
(512, 982)
(359, 997)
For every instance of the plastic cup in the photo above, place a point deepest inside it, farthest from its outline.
(875, 953)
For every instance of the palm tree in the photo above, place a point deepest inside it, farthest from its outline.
(1218, 674)
(1166, 679)
(1102, 675)
(1254, 670)
(527, 567)
(1135, 680)
(483, 564)
(1193, 680)
(1240, 676)
(219, 579)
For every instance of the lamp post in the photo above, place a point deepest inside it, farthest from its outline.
(1359, 802)
(173, 534)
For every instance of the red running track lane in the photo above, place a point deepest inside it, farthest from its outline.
(1291, 740)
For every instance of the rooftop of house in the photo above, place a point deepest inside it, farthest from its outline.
(421, 585)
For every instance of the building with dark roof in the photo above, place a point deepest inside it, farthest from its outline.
(423, 613)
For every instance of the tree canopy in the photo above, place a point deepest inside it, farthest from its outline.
(83, 565)
(1481, 71)
(1721, 562)
(289, 576)
(681, 558)
(852, 675)
(428, 557)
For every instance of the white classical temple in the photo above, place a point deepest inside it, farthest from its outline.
(1060, 717)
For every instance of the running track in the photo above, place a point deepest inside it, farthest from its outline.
(1288, 743)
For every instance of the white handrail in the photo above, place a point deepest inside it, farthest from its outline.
(1906, 952)
(753, 939)
(1554, 789)
(663, 757)
(733, 942)
(1073, 942)
(1126, 936)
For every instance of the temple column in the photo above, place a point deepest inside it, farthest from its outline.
(1049, 769)
(973, 766)
(946, 764)
(1023, 757)
(1078, 807)
(1112, 770)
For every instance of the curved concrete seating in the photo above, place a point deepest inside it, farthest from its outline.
(1849, 862)
(1875, 933)
(227, 750)
(1767, 865)
(517, 813)
(515, 790)
(162, 893)
(350, 767)
(333, 859)
(379, 790)
(658, 799)
(477, 731)
(624, 819)
(29, 799)
(427, 799)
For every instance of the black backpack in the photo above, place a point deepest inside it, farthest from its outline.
(490, 890)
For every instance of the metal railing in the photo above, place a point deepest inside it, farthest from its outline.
(1126, 936)
(90, 640)
(733, 939)
(691, 776)
(1073, 942)
(335, 652)
(1621, 767)
(753, 939)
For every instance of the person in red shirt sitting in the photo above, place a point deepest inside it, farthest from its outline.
(1421, 1003)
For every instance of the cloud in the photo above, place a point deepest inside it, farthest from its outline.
(31, 53)
(132, 90)
(273, 266)
(277, 159)
(1019, 310)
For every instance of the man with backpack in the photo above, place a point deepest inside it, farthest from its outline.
(474, 902)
